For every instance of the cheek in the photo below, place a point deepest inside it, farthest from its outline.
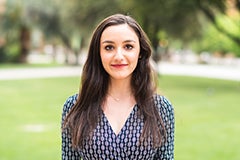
(105, 60)
(134, 62)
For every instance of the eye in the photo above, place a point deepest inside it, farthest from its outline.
(128, 47)
(108, 47)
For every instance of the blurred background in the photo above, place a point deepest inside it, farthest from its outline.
(196, 44)
(200, 31)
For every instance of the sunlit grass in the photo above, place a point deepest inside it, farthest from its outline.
(206, 113)
(207, 117)
(30, 117)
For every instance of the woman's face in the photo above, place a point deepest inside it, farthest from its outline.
(119, 51)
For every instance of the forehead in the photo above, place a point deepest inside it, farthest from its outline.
(119, 31)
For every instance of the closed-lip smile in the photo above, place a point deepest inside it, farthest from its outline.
(118, 65)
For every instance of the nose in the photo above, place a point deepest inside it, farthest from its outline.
(119, 53)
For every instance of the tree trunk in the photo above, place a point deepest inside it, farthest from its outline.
(24, 44)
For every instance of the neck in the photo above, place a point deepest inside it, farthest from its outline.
(119, 88)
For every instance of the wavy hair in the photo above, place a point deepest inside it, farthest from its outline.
(82, 120)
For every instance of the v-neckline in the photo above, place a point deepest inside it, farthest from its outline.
(123, 127)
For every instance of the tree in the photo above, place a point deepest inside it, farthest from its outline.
(16, 33)
(178, 19)
(218, 41)
(72, 22)
(208, 11)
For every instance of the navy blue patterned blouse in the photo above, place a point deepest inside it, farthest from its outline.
(106, 145)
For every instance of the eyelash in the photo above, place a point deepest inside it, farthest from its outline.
(128, 47)
(110, 47)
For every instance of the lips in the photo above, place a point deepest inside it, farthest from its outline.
(119, 65)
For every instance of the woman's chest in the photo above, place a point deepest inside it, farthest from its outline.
(105, 144)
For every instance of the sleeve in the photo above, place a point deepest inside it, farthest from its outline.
(166, 150)
(68, 153)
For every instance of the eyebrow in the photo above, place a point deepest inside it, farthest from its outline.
(126, 41)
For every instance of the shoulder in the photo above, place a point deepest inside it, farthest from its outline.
(166, 111)
(164, 107)
(69, 103)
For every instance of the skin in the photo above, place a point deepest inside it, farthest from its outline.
(119, 51)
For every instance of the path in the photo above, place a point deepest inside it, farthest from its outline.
(198, 70)
(29, 73)
(209, 71)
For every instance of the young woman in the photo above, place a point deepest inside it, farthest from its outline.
(117, 114)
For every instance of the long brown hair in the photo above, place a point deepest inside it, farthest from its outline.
(82, 118)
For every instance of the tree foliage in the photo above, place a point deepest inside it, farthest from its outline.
(162, 20)
(207, 8)
(11, 26)
(215, 41)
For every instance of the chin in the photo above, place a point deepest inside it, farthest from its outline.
(127, 77)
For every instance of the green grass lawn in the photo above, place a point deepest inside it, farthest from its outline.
(206, 113)
(30, 117)
(207, 117)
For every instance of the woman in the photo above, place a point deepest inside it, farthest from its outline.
(117, 114)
